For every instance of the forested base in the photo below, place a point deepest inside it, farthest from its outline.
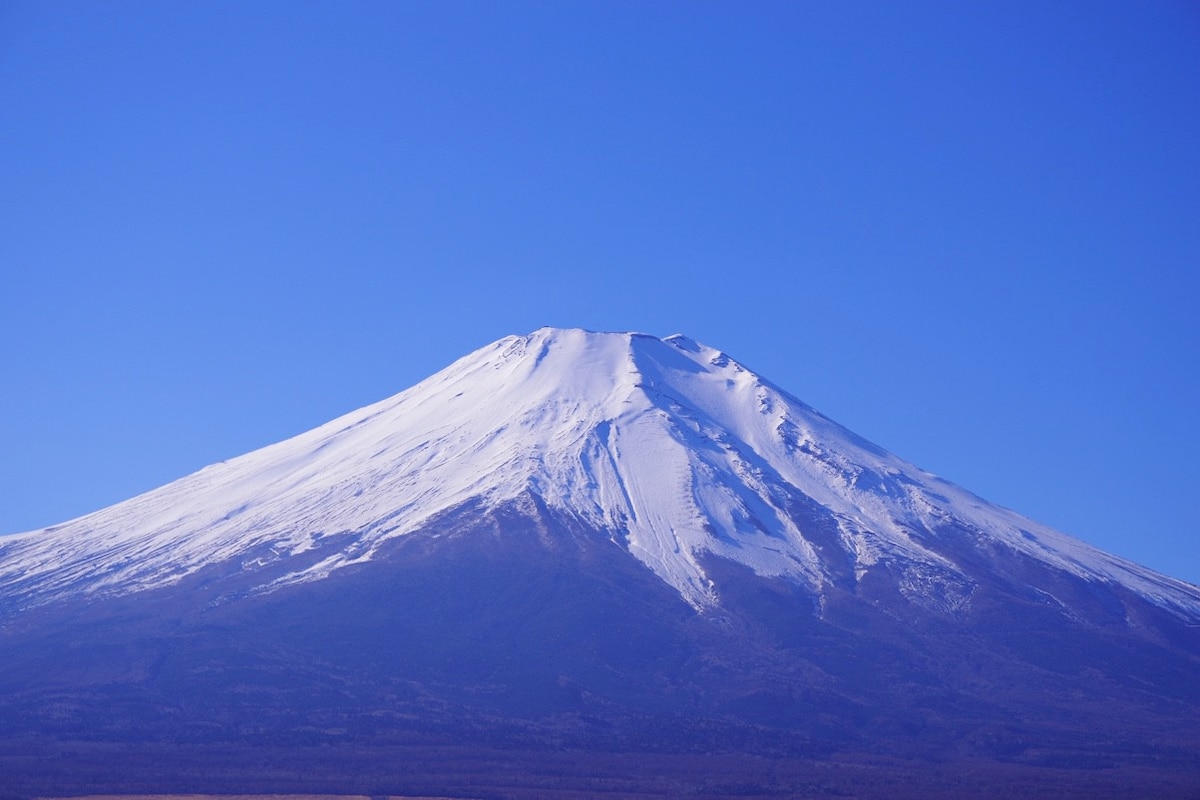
(32, 768)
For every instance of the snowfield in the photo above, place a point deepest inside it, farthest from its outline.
(674, 448)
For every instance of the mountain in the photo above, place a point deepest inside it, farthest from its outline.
(628, 549)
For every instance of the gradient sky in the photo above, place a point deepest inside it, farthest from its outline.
(968, 231)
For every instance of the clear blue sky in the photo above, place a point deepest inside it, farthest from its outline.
(968, 231)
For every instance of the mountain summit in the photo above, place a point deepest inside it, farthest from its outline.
(675, 450)
(606, 542)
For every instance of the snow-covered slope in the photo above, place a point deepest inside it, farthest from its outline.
(672, 447)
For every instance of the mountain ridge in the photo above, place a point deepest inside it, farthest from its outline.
(669, 444)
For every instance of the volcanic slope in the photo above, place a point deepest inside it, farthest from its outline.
(675, 449)
(602, 541)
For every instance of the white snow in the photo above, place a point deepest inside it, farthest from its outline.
(672, 446)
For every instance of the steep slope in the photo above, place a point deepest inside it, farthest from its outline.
(673, 448)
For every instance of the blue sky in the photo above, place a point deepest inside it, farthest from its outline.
(968, 231)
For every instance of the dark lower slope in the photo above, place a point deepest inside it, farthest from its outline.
(520, 640)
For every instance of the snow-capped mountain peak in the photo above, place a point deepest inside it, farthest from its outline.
(675, 450)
